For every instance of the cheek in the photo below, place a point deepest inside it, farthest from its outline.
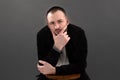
(64, 25)
(51, 27)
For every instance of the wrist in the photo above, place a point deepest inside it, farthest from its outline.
(57, 49)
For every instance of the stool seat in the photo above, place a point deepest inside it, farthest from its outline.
(63, 77)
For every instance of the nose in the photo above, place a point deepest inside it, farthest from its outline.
(57, 26)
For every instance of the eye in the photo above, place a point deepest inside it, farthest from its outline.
(60, 21)
(52, 23)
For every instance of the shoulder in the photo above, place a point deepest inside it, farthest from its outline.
(75, 29)
(44, 31)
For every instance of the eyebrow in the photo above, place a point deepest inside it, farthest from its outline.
(52, 22)
(57, 20)
(60, 19)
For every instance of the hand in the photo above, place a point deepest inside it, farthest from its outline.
(45, 68)
(61, 39)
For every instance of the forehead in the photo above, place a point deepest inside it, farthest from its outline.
(55, 15)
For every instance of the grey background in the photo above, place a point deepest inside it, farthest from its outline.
(20, 20)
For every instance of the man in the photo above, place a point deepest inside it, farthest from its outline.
(62, 47)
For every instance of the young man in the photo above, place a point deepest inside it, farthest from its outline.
(62, 47)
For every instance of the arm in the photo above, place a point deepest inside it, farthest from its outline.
(45, 48)
(78, 60)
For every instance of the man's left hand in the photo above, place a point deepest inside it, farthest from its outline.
(45, 68)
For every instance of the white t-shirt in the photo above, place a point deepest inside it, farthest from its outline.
(63, 59)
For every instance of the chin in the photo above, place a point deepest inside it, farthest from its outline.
(56, 33)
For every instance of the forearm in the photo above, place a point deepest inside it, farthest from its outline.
(70, 69)
(50, 57)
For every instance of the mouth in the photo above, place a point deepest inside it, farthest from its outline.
(57, 31)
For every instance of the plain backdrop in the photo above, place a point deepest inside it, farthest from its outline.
(20, 20)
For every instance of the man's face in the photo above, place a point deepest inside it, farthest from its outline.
(57, 21)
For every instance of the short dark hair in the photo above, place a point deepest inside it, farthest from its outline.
(54, 9)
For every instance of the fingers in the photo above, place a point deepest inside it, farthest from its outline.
(68, 38)
(65, 34)
(40, 68)
(63, 30)
(40, 65)
(42, 62)
(53, 35)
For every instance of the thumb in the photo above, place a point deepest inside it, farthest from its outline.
(42, 62)
(63, 30)
(53, 34)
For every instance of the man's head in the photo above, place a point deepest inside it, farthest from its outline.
(57, 19)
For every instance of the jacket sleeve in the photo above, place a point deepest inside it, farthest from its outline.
(45, 50)
(78, 60)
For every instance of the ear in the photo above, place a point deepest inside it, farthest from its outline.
(67, 20)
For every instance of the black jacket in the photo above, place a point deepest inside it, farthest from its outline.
(76, 50)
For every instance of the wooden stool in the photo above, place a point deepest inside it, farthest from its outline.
(63, 77)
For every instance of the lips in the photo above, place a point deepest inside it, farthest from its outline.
(57, 31)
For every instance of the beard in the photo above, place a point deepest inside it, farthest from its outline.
(57, 31)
